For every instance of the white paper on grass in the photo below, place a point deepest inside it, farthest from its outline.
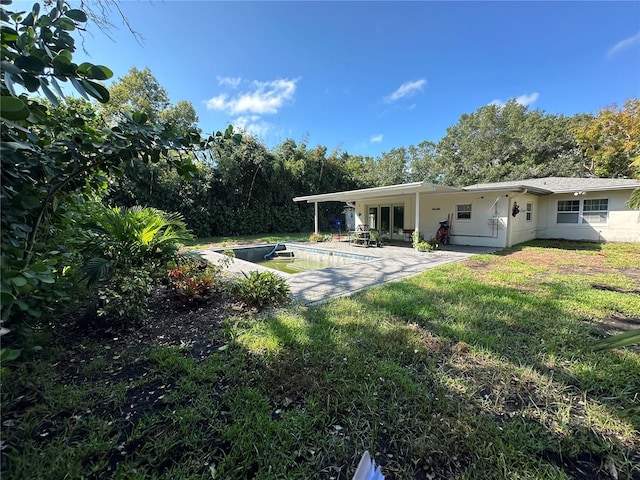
(367, 469)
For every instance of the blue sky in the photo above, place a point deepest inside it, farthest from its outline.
(366, 77)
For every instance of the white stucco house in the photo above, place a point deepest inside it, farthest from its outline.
(498, 214)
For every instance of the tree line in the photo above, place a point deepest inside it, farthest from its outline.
(247, 188)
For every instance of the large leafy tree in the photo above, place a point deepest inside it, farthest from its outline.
(140, 91)
(507, 142)
(425, 163)
(137, 91)
(610, 141)
(52, 152)
(391, 168)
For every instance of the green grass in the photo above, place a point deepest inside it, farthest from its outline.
(481, 369)
(236, 240)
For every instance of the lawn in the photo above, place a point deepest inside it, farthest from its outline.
(198, 243)
(480, 369)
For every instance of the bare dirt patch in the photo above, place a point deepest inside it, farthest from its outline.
(562, 261)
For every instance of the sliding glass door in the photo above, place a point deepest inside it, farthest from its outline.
(388, 220)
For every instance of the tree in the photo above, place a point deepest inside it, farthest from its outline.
(181, 116)
(54, 152)
(137, 91)
(140, 91)
(425, 163)
(610, 141)
(391, 168)
(507, 142)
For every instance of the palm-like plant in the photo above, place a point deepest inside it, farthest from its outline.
(634, 201)
(135, 237)
(620, 340)
(131, 248)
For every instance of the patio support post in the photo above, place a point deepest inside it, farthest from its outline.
(418, 213)
(315, 208)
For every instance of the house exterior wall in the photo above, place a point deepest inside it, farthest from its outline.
(492, 224)
(486, 227)
(623, 225)
(362, 209)
(524, 225)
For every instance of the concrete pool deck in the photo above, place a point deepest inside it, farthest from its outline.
(391, 263)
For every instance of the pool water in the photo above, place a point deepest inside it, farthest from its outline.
(294, 259)
(293, 265)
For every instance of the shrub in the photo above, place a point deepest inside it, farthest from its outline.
(124, 296)
(193, 280)
(433, 242)
(423, 247)
(261, 289)
(316, 237)
(131, 249)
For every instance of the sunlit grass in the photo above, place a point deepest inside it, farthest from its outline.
(472, 370)
(242, 239)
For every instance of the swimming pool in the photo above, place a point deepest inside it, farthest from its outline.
(294, 259)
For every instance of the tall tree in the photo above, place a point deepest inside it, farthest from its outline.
(425, 163)
(140, 91)
(610, 141)
(391, 167)
(507, 143)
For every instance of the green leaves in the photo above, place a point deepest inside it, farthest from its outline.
(261, 289)
(29, 63)
(13, 108)
(621, 340)
(55, 155)
(96, 90)
(76, 15)
(94, 72)
(41, 50)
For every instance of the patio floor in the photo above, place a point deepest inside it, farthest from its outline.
(391, 263)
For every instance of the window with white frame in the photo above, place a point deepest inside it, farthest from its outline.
(529, 212)
(463, 212)
(592, 211)
(595, 211)
(568, 211)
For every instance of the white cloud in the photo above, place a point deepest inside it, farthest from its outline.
(623, 44)
(525, 99)
(376, 138)
(233, 82)
(248, 101)
(252, 124)
(407, 89)
(263, 98)
(217, 103)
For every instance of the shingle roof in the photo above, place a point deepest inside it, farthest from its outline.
(560, 184)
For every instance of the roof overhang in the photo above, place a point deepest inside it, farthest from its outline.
(378, 192)
(512, 188)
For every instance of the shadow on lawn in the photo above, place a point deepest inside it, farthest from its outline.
(473, 314)
(405, 383)
(472, 381)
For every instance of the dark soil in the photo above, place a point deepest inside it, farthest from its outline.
(196, 327)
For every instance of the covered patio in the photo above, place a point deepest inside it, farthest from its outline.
(385, 206)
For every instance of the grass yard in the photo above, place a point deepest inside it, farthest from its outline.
(476, 370)
(198, 243)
